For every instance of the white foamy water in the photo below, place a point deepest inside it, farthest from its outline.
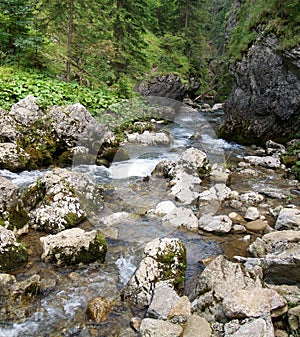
(126, 268)
(24, 178)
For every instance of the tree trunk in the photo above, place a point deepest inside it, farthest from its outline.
(70, 40)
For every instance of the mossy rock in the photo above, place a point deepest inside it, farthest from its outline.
(67, 253)
(173, 266)
(13, 257)
(18, 218)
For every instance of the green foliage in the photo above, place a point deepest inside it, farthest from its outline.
(18, 31)
(279, 17)
(17, 84)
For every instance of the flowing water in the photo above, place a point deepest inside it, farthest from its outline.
(66, 291)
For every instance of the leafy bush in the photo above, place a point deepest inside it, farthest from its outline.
(17, 84)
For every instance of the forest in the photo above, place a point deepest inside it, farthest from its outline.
(96, 51)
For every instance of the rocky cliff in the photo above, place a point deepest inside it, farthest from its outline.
(265, 99)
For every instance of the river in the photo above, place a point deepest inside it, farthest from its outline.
(60, 310)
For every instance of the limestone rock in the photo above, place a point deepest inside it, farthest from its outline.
(8, 128)
(13, 158)
(149, 138)
(19, 299)
(61, 199)
(260, 327)
(164, 86)
(288, 218)
(73, 246)
(181, 311)
(216, 224)
(294, 318)
(26, 111)
(185, 174)
(185, 186)
(252, 213)
(254, 303)
(163, 300)
(218, 281)
(157, 328)
(274, 243)
(115, 218)
(12, 253)
(181, 217)
(163, 260)
(236, 218)
(219, 192)
(268, 161)
(163, 208)
(197, 326)
(251, 198)
(280, 255)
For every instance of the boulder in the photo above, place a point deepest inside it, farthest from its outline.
(61, 199)
(197, 326)
(279, 254)
(254, 303)
(251, 198)
(184, 174)
(294, 318)
(288, 218)
(8, 196)
(163, 300)
(74, 246)
(252, 213)
(26, 112)
(260, 327)
(163, 208)
(8, 128)
(274, 243)
(218, 281)
(184, 187)
(267, 161)
(181, 217)
(218, 192)
(165, 86)
(149, 138)
(12, 253)
(181, 311)
(163, 260)
(158, 328)
(14, 158)
(217, 224)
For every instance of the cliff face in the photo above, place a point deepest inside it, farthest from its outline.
(265, 99)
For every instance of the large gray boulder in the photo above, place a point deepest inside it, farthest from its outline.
(264, 102)
(74, 246)
(61, 199)
(279, 255)
(218, 281)
(165, 86)
(163, 260)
